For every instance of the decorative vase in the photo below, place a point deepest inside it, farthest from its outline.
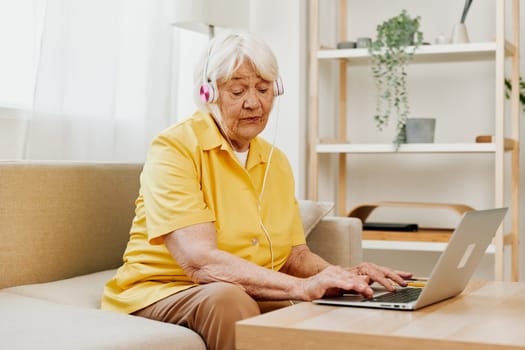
(459, 34)
(420, 130)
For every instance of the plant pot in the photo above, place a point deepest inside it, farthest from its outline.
(420, 130)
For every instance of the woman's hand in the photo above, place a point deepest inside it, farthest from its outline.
(336, 279)
(333, 280)
(382, 275)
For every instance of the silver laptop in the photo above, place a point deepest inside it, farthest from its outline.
(450, 275)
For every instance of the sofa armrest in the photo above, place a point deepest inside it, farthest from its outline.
(337, 239)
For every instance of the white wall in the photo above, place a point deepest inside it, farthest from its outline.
(278, 22)
(460, 96)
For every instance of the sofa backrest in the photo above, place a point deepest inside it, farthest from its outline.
(63, 219)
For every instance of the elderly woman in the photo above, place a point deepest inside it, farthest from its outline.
(217, 226)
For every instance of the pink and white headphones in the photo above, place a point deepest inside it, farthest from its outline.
(210, 94)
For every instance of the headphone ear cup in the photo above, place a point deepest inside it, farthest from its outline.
(278, 88)
(209, 93)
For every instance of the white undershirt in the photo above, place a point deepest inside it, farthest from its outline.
(242, 157)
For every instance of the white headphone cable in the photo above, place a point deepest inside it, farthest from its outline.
(271, 154)
(216, 111)
(268, 238)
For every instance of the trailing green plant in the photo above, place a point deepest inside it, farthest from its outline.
(508, 89)
(393, 48)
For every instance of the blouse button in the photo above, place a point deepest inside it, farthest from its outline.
(255, 241)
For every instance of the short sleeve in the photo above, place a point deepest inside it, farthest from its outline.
(170, 185)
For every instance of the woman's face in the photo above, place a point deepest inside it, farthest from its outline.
(245, 102)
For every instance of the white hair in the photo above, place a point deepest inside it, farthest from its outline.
(224, 55)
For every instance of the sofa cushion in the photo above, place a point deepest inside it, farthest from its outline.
(337, 240)
(63, 219)
(84, 291)
(312, 212)
(29, 323)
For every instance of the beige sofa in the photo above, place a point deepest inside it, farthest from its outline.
(64, 227)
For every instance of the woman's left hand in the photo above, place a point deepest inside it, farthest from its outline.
(380, 274)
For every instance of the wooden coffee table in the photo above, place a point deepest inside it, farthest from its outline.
(488, 315)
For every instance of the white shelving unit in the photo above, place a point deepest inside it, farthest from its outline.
(498, 51)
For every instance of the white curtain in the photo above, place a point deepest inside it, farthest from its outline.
(104, 80)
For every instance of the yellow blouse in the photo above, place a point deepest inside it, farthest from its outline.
(192, 176)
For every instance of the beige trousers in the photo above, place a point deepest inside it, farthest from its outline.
(211, 310)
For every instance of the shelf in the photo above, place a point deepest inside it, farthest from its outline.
(425, 239)
(411, 246)
(421, 235)
(363, 211)
(483, 144)
(427, 53)
(406, 148)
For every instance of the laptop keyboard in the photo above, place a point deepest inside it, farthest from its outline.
(404, 295)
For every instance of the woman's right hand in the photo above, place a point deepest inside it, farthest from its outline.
(333, 281)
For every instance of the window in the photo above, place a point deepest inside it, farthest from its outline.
(20, 31)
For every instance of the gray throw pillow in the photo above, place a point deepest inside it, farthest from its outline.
(312, 212)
